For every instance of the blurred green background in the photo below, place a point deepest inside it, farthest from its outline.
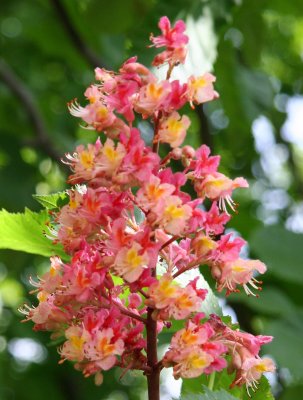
(48, 50)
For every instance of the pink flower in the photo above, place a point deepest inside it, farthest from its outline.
(251, 371)
(73, 348)
(217, 186)
(228, 250)
(172, 130)
(132, 70)
(213, 220)
(153, 191)
(192, 363)
(194, 350)
(178, 179)
(139, 163)
(173, 39)
(104, 348)
(110, 158)
(238, 272)
(120, 99)
(83, 162)
(130, 262)
(172, 215)
(172, 301)
(163, 293)
(203, 163)
(96, 114)
(177, 97)
(200, 89)
(152, 97)
(203, 245)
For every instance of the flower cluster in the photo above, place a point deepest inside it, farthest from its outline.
(128, 211)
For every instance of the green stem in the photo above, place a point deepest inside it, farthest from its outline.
(211, 381)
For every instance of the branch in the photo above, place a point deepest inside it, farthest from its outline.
(206, 137)
(170, 241)
(26, 98)
(189, 266)
(124, 311)
(153, 378)
(90, 56)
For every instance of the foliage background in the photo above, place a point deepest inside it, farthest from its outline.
(255, 48)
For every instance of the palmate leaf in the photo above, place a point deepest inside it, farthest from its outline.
(209, 395)
(52, 201)
(26, 232)
(222, 385)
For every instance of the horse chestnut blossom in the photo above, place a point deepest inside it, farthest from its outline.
(128, 212)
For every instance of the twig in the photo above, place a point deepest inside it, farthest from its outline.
(26, 98)
(170, 241)
(189, 266)
(125, 311)
(131, 314)
(75, 37)
(143, 293)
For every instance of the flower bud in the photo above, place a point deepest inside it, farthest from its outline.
(188, 152)
(176, 153)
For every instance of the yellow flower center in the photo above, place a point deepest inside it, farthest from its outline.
(73, 203)
(167, 289)
(42, 296)
(174, 126)
(105, 347)
(205, 243)
(133, 259)
(92, 99)
(199, 83)
(172, 211)
(238, 268)
(102, 112)
(86, 159)
(53, 271)
(261, 367)
(110, 153)
(154, 192)
(198, 361)
(154, 91)
(184, 302)
(77, 342)
(189, 338)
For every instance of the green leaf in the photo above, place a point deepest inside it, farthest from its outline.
(26, 232)
(287, 347)
(292, 393)
(285, 260)
(271, 301)
(210, 395)
(222, 383)
(52, 201)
